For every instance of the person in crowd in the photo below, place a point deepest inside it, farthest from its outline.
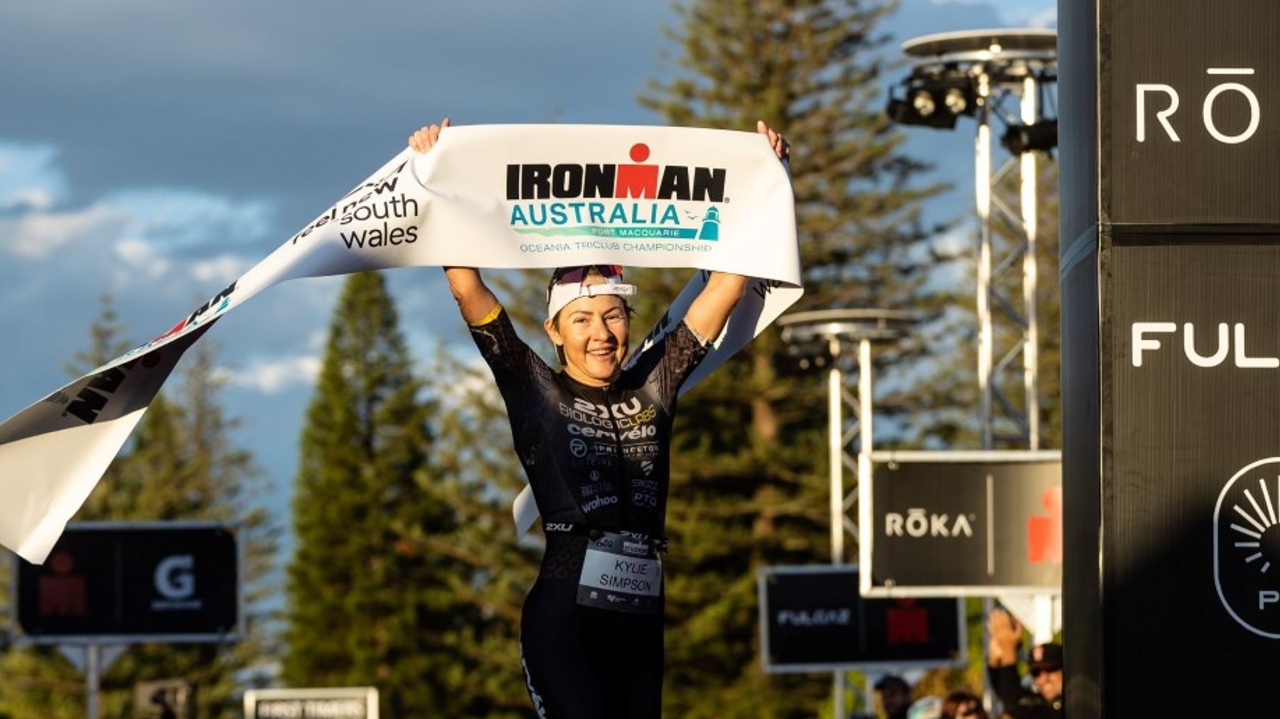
(894, 695)
(591, 630)
(1045, 700)
(963, 704)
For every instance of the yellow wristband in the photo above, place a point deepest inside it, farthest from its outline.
(493, 315)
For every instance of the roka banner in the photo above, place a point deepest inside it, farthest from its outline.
(490, 196)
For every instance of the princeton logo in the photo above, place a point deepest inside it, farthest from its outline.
(1246, 552)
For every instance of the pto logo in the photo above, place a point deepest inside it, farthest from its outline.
(1246, 547)
(630, 200)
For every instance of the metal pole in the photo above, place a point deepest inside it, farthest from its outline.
(835, 458)
(1030, 348)
(837, 690)
(92, 678)
(865, 413)
(982, 195)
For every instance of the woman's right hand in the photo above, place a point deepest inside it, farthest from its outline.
(427, 137)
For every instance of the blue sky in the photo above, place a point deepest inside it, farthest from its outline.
(155, 151)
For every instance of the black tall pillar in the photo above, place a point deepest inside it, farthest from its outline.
(1169, 139)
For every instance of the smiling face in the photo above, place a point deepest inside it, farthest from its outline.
(591, 336)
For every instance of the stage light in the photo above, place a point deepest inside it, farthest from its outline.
(923, 103)
(955, 101)
(933, 99)
(1042, 135)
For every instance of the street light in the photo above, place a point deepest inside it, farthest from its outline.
(824, 336)
(1003, 64)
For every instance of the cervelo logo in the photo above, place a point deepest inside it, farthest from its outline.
(592, 200)
(1246, 547)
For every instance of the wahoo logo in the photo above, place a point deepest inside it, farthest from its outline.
(635, 180)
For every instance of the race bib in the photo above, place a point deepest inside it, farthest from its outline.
(621, 573)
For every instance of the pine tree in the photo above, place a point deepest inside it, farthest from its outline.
(749, 484)
(368, 605)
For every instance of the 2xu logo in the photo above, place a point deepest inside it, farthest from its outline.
(1246, 547)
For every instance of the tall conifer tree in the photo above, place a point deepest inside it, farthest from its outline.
(368, 606)
(750, 482)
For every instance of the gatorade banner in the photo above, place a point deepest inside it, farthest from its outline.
(490, 196)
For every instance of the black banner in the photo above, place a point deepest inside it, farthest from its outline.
(133, 581)
(1171, 355)
(1191, 100)
(812, 619)
(966, 524)
(1195, 499)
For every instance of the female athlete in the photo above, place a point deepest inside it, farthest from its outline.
(594, 439)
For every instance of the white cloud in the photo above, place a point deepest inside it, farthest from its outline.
(217, 271)
(28, 177)
(180, 219)
(276, 375)
(138, 255)
(37, 235)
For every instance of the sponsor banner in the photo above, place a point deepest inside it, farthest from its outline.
(1189, 93)
(133, 581)
(812, 618)
(963, 523)
(503, 196)
(1195, 356)
(1188, 502)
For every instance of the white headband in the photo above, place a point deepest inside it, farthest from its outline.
(563, 293)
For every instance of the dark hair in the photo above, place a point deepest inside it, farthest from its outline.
(957, 698)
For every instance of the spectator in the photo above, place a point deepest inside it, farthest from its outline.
(895, 696)
(1045, 701)
(963, 704)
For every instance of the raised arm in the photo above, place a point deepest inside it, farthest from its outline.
(710, 310)
(475, 300)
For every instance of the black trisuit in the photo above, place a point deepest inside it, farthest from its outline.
(597, 459)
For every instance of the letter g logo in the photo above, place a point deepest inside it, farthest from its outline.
(175, 577)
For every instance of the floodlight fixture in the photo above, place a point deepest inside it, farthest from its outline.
(933, 99)
(980, 73)
(1037, 136)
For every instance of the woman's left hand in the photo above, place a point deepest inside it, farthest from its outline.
(780, 146)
